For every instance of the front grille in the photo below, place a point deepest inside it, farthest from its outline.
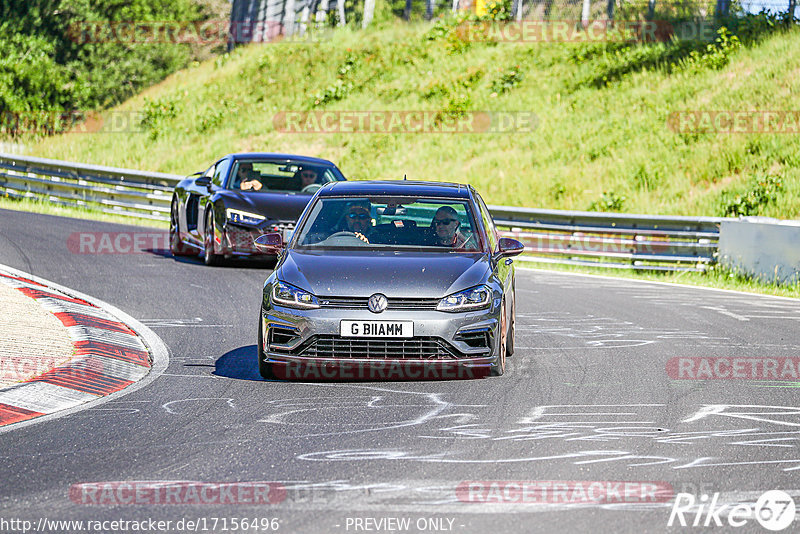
(418, 348)
(394, 303)
(241, 239)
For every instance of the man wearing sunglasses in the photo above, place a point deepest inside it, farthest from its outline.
(359, 221)
(248, 178)
(445, 226)
(308, 180)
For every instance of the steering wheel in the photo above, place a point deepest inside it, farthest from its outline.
(311, 188)
(346, 239)
(470, 243)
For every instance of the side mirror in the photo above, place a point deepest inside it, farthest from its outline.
(270, 243)
(203, 180)
(509, 247)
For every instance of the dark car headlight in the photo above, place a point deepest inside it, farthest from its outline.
(293, 297)
(474, 298)
(244, 217)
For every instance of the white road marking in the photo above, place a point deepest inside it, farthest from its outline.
(43, 397)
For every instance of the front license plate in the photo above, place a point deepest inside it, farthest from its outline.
(376, 328)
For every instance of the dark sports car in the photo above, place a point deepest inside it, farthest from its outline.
(397, 280)
(219, 213)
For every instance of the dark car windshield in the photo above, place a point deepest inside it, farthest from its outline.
(254, 175)
(435, 224)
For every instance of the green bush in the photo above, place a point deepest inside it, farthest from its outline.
(507, 80)
(46, 65)
(215, 116)
(715, 55)
(156, 114)
(609, 201)
(763, 191)
(336, 91)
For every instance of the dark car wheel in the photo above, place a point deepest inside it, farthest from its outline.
(209, 257)
(512, 327)
(264, 368)
(500, 366)
(176, 246)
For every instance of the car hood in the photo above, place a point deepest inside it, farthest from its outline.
(395, 274)
(275, 206)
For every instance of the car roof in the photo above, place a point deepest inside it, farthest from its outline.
(277, 156)
(396, 187)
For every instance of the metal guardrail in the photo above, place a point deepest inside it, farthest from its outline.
(120, 191)
(613, 240)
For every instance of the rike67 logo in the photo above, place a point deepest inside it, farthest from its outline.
(775, 510)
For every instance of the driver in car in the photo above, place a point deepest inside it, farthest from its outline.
(445, 226)
(359, 221)
(248, 178)
(307, 177)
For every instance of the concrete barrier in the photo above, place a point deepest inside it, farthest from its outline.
(768, 249)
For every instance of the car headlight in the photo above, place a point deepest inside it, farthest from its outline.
(244, 217)
(293, 297)
(474, 298)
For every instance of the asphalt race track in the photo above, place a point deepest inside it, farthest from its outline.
(587, 398)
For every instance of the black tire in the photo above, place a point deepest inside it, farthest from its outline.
(500, 368)
(263, 367)
(511, 328)
(209, 258)
(176, 246)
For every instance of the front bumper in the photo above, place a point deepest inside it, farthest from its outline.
(306, 344)
(239, 240)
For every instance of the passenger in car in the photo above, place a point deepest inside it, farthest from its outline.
(445, 225)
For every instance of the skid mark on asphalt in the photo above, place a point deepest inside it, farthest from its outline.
(196, 322)
(309, 412)
(592, 331)
(636, 434)
(192, 409)
(742, 307)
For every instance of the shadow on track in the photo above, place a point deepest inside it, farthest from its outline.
(238, 363)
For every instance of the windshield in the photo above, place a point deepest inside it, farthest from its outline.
(382, 223)
(281, 176)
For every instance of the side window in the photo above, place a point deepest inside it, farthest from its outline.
(488, 223)
(210, 172)
(220, 172)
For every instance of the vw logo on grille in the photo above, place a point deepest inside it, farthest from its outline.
(377, 303)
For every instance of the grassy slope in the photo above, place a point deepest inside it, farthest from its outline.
(588, 140)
